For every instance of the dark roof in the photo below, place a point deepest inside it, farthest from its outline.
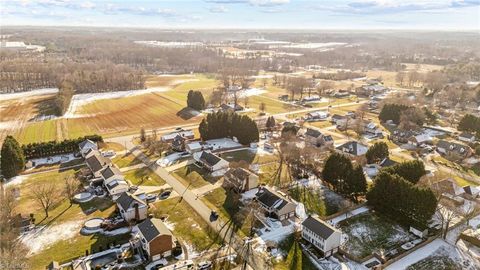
(313, 133)
(338, 117)
(153, 227)
(452, 146)
(270, 199)
(85, 142)
(387, 162)
(318, 226)
(209, 158)
(466, 135)
(126, 199)
(96, 162)
(110, 171)
(328, 138)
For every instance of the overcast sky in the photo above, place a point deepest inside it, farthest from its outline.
(288, 14)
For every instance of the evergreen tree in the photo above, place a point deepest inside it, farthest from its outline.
(143, 136)
(336, 170)
(377, 152)
(392, 112)
(228, 124)
(13, 159)
(411, 171)
(357, 183)
(195, 100)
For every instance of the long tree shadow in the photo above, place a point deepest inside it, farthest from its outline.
(186, 113)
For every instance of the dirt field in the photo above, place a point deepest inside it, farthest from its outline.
(18, 115)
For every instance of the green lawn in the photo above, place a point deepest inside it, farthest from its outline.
(368, 233)
(295, 259)
(248, 156)
(126, 160)
(189, 226)
(229, 208)
(144, 176)
(267, 175)
(314, 202)
(194, 177)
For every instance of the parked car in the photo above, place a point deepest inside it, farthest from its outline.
(133, 188)
(213, 216)
(204, 265)
(165, 194)
(151, 198)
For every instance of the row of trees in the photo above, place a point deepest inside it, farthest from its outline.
(411, 171)
(406, 116)
(45, 149)
(195, 100)
(344, 177)
(228, 124)
(402, 201)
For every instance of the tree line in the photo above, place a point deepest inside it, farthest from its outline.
(46, 149)
(408, 117)
(226, 124)
(470, 123)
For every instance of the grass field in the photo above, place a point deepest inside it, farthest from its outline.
(321, 202)
(188, 225)
(128, 160)
(194, 177)
(144, 176)
(248, 156)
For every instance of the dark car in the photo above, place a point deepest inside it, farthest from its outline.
(204, 265)
(213, 216)
(151, 198)
(164, 195)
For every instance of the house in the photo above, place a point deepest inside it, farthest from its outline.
(352, 148)
(321, 235)
(131, 207)
(116, 186)
(316, 116)
(110, 171)
(240, 179)
(467, 137)
(336, 118)
(472, 192)
(193, 147)
(178, 143)
(316, 138)
(448, 186)
(453, 148)
(400, 135)
(96, 162)
(186, 134)
(157, 240)
(370, 128)
(231, 107)
(276, 205)
(210, 161)
(372, 89)
(87, 145)
(419, 139)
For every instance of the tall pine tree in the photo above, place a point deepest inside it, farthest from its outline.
(12, 160)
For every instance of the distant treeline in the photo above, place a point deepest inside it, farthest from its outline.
(46, 149)
(339, 76)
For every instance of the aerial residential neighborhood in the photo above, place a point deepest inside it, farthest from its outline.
(175, 135)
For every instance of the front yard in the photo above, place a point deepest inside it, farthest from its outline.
(250, 156)
(126, 160)
(193, 176)
(320, 201)
(186, 224)
(144, 176)
(368, 233)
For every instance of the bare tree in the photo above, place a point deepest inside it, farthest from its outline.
(45, 195)
(245, 101)
(262, 107)
(323, 86)
(400, 77)
(72, 186)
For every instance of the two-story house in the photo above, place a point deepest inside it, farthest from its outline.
(210, 162)
(131, 207)
(157, 240)
(276, 205)
(240, 179)
(321, 235)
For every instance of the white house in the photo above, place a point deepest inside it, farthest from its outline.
(275, 204)
(321, 235)
(186, 134)
(210, 161)
(352, 148)
(116, 186)
(131, 207)
(193, 147)
(419, 139)
(86, 146)
(96, 162)
(316, 116)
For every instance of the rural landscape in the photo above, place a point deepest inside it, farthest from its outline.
(249, 147)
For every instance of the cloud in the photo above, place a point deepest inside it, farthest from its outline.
(260, 3)
(219, 9)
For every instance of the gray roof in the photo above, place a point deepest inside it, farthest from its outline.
(153, 227)
(126, 199)
(209, 158)
(466, 135)
(313, 133)
(110, 171)
(271, 199)
(453, 147)
(85, 142)
(351, 147)
(239, 173)
(96, 161)
(319, 227)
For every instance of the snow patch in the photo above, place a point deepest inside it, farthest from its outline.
(27, 94)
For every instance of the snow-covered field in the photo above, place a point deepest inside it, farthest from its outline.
(36, 92)
(433, 255)
(82, 99)
(43, 237)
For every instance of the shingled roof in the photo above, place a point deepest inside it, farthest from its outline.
(110, 171)
(96, 161)
(319, 227)
(153, 227)
(126, 199)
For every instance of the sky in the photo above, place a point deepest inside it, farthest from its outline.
(248, 14)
